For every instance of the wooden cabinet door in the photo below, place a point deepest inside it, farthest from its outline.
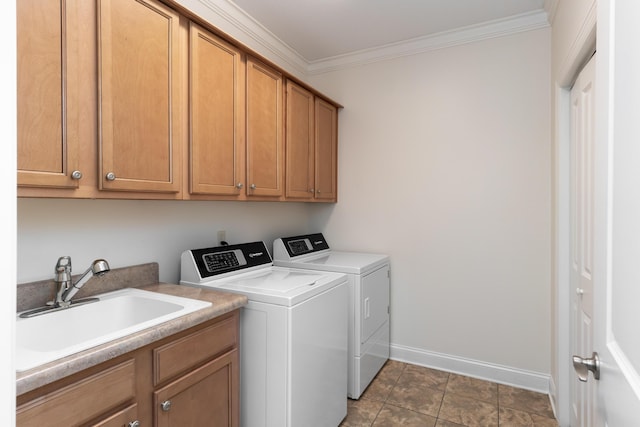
(141, 110)
(207, 396)
(326, 151)
(123, 418)
(47, 98)
(299, 142)
(85, 400)
(216, 96)
(264, 130)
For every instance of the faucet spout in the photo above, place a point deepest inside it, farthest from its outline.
(97, 268)
(66, 288)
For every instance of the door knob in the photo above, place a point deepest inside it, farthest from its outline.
(583, 366)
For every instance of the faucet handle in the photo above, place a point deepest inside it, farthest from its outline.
(64, 262)
(63, 269)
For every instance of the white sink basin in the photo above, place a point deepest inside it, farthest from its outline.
(58, 334)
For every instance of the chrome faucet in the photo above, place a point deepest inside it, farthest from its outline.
(62, 276)
(66, 288)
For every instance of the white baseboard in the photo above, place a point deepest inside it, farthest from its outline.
(534, 381)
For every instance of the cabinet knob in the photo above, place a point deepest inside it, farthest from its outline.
(76, 175)
(312, 191)
(111, 176)
(135, 423)
(239, 185)
(253, 186)
(166, 405)
(579, 291)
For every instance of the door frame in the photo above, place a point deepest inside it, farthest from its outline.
(581, 51)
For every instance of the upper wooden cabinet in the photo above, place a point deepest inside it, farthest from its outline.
(131, 99)
(326, 151)
(300, 142)
(311, 153)
(47, 66)
(217, 118)
(140, 107)
(265, 124)
(236, 122)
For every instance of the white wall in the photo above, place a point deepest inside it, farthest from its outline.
(140, 231)
(445, 163)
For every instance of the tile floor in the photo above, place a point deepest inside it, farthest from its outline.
(408, 395)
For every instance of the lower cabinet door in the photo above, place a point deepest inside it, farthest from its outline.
(127, 417)
(207, 396)
(77, 404)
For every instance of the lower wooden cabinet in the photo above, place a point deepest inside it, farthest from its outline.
(188, 379)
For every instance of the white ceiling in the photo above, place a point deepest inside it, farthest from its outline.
(322, 29)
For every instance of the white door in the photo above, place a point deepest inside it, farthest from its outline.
(581, 239)
(616, 217)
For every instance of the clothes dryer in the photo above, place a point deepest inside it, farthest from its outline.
(293, 334)
(368, 276)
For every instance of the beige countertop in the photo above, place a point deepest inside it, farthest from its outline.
(222, 302)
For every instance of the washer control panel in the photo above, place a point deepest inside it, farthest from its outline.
(219, 261)
(224, 259)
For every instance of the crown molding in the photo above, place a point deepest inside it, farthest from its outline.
(551, 7)
(235, 22)
(231, 19)
(492, 29)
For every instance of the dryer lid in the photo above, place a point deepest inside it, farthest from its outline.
(312, 251)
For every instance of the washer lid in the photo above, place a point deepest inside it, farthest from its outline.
(283, 281)
(280, 285)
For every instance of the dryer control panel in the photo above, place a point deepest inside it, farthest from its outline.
(290, 247)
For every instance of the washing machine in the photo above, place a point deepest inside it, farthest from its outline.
(369, 284)
(293, 334)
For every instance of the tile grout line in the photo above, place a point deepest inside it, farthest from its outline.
(442, 400)
(404, 366)
(498, 402)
